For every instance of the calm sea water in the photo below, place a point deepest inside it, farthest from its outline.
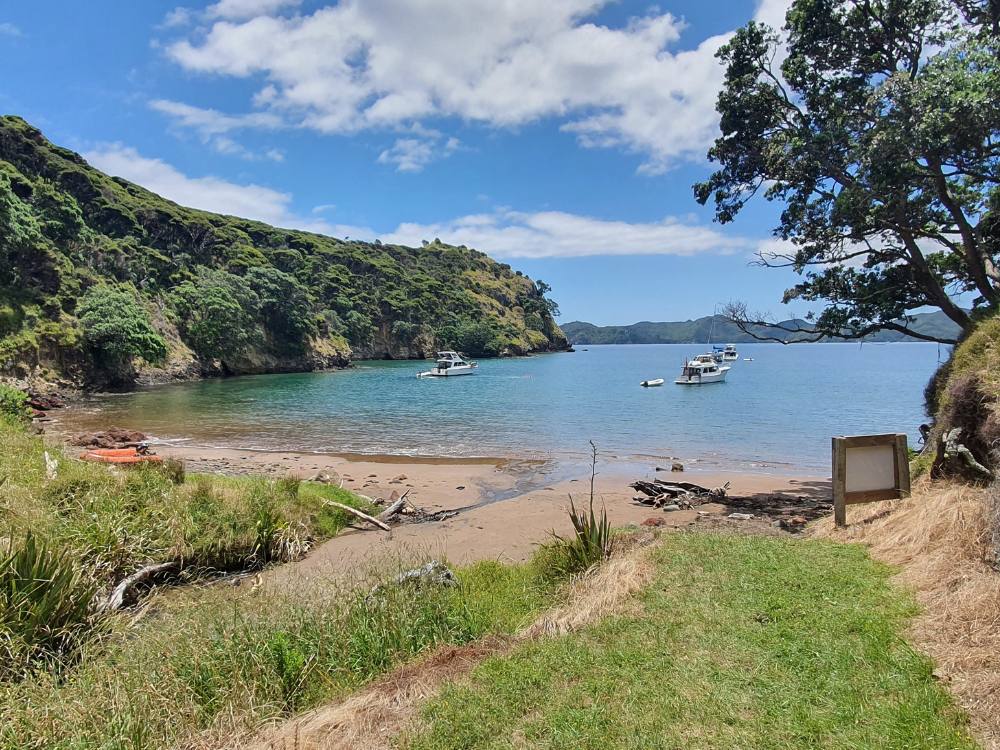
(776, 413)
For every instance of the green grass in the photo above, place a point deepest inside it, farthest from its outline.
(216, 662)
(113, 522)
(741, 642)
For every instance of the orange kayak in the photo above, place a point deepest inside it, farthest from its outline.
(119, 456)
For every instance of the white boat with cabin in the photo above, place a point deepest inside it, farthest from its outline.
(729, 353)
(448, 365)
(701, 370)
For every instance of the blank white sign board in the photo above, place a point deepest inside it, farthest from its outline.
(870, 468)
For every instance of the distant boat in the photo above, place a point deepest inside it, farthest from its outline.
(702, 370)
(651, 383)
(729, 353)
(748, 359)
(449, 364)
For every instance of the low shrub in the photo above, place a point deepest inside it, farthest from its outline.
(590, 544)
(13, 404)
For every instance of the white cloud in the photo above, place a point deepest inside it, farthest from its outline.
(211, 121)
(9, 29)
(556, 234)
(413, 154)
(212, 127)
(389, 64)
(240, 9)
(177, 17)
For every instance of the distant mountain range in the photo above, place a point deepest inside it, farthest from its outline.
(700, 331)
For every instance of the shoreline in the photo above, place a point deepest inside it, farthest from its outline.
(507, 507)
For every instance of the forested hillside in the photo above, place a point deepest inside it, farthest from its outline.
(723, 330)
(103, 282)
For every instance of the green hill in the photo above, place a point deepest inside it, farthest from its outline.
(103, 282)
(701, 331)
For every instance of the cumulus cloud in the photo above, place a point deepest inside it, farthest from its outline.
(413, 154)
(557, 234)
(213, 126)
(361, 64)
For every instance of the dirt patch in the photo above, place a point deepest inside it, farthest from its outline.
(941, 538)
(373, 717)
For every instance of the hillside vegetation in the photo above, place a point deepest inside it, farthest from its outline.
(102, 281)
(724, 330)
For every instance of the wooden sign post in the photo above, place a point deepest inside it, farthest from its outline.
(867, 468)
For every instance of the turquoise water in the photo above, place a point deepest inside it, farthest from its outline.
(775, 413)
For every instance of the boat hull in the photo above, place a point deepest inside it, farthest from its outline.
(451, 372)
(651, 383)
(715, 377)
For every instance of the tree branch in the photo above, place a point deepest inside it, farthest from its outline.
(737, 314)
(977, 264)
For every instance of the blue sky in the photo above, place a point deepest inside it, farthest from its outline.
(562, 137)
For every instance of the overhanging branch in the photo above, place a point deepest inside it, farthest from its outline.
(756, 325)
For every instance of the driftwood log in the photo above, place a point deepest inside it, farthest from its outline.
(358, 514)
(124, 592)
(660, 492)
(393, 509)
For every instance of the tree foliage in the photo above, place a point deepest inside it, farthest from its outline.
(218, 313)
(877, 124)
(117, 328)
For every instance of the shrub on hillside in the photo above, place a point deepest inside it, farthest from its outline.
(117, 328)
(13, 404)
(218, 313)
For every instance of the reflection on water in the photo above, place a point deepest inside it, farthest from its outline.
(778, 411)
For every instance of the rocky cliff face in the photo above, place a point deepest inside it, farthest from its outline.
(219, 294)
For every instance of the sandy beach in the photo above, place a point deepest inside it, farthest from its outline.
(506, 506)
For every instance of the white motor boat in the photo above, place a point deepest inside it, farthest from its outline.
(748, 359)
(448, 365)
(651, 383)
(729, 353)
(702, 370)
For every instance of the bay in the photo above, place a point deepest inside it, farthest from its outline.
(776, 413)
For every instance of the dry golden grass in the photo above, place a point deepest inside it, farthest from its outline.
(372, 718)
(941, 538)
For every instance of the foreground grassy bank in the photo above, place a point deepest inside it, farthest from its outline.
(113, 521)
(741, 642)
(204, 664)
(70, 530)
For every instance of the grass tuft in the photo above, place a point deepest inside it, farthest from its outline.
(45, 608)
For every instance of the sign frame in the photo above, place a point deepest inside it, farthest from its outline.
(900, 470)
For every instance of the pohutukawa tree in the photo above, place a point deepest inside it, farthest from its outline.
(877, 124)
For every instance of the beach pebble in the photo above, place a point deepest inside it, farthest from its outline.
(671, 507)
(741, 516)
(460, 487)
